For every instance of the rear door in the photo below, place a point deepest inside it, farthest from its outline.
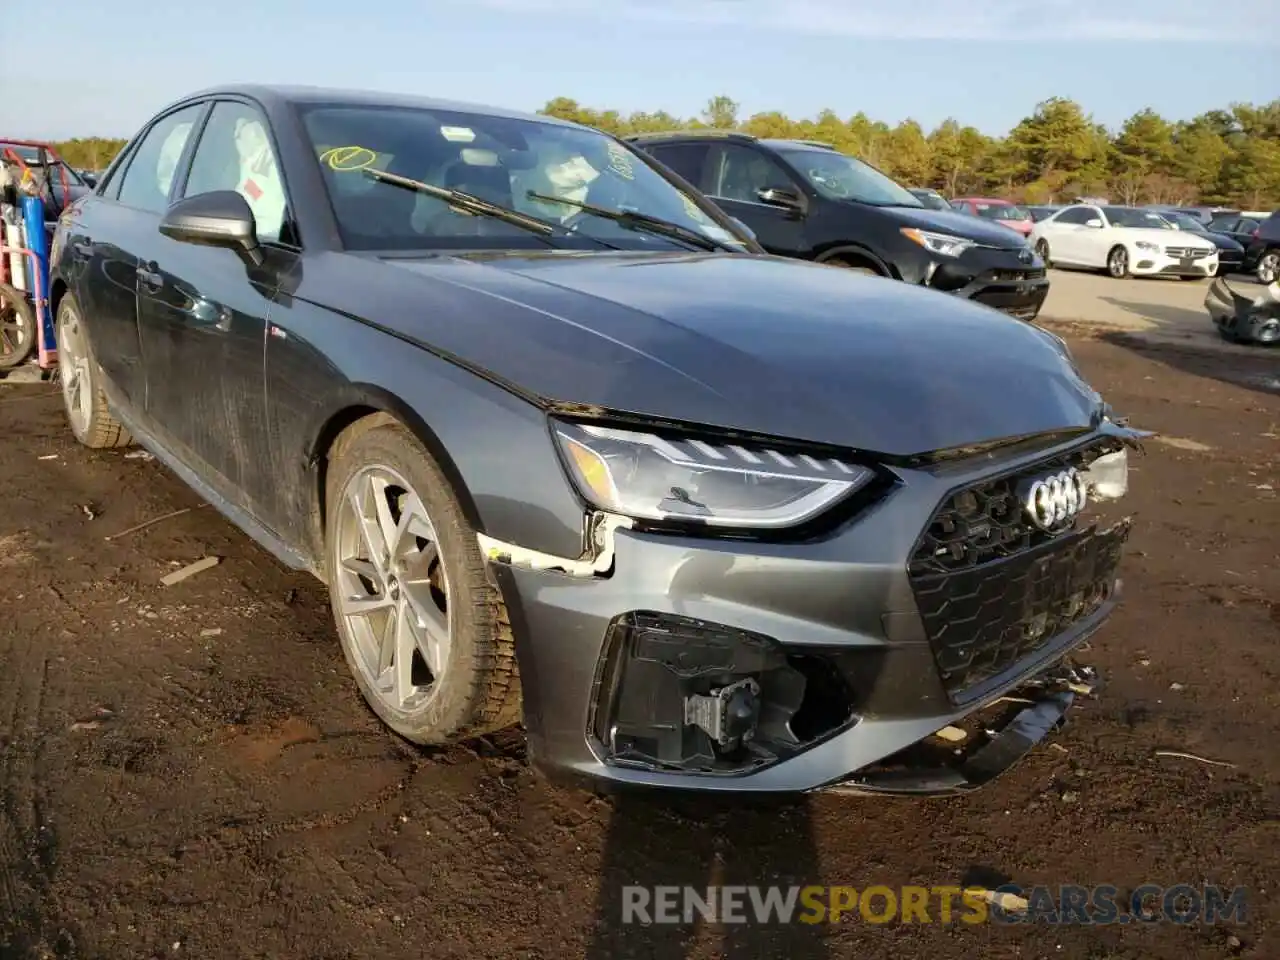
(108, 241)
(1069, 239)
(202, 312)
(734, 177)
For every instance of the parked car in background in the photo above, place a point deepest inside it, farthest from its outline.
(566, 446)
(1239, 228)
(930, 198)
(1040, 211)
(1124, 241)
(1203, 214)
(814, 203)
(1262, 256)
(63, 183)
(1230, 253)
(999, 211)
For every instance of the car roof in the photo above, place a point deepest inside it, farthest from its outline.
(991, 200)
(275, 95)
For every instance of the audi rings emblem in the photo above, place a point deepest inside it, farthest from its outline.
(1055, 499)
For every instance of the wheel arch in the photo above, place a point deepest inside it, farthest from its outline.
(366, 407)
(860, 252)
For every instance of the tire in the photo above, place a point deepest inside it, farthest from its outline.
(1196, 279)
(1118, 263)
(83, 399)
(17, 328)
(439, 595)
(862, 267)
(1042, 251)
(1268, 270)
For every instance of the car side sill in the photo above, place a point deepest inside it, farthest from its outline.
(237, 516)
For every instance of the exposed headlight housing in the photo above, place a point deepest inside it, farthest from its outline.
(1147, 245)
(648, 477)
(943, 244)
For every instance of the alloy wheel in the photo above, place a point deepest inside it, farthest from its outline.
(391, 589)
(74, 371)
(1118, 262)
(1269, 268)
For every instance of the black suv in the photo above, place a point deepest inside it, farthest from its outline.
(1263, 253)
(807, 200)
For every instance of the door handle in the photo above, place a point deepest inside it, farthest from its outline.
(149, 276)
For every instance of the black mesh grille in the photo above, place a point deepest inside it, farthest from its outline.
(993, 589)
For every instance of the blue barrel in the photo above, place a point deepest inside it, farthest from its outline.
(38, 244)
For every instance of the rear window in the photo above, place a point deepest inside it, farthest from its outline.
(1002, 211)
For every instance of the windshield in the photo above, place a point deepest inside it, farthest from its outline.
(498, 159)
(1002, 211)
(932, 200)
(1129, 217)
(842, 177)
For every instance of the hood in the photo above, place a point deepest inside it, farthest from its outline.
(1167, 238)
(956, 224)
(756, 344)
(1224, 242)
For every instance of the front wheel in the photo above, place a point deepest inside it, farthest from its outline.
(1118, 263)
(424, 632)
(83, 398)
(1268, 271)
(1042, 251)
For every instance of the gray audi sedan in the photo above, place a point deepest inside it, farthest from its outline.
(569, 450)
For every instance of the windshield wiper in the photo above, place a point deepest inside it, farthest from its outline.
(641, 221)
(472, 204)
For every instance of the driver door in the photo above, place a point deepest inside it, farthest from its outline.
(734, 176)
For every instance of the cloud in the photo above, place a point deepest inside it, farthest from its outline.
(1005, 20)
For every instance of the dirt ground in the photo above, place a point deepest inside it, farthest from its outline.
(187, 771)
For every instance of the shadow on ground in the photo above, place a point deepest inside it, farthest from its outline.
(696, 842)
(1168, 341)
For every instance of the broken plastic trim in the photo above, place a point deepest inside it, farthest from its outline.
(597, 561)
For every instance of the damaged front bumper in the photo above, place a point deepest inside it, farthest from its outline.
(958, 759)
(748, 666)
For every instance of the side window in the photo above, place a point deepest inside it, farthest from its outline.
(152, 168)
(686, 159)
(234, 153)
(1246, 225)
(1074, 215)
(959, 206)
(740, 173)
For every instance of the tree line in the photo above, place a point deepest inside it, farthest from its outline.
(1227, 157)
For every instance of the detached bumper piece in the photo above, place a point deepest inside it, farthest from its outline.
(1018, 723)
(682, 695)
(1241, 319)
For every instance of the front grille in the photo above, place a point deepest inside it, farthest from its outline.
(992, 588)
(1195, 253)
(1015, 276)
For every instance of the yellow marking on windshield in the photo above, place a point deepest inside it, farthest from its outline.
(348, 159)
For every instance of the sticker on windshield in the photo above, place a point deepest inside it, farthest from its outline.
(692, 210)
(620, 161)
(458, 134)
(348, 159)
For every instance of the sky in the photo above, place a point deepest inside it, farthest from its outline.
(109, 66)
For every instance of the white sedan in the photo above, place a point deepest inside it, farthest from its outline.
(1124, 241)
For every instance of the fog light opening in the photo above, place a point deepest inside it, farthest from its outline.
(679, 694)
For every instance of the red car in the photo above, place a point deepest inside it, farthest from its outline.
(1002, 211)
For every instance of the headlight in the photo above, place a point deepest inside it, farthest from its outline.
(1145, 245)
(940, 243)
(648, 477)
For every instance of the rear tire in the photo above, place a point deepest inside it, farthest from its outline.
(83, 398)
(436, 661)
(17, 328)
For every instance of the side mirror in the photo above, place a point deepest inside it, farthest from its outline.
(781, 197)
(743, 227)
(90, 178)
(221, 218)
(1093, 222)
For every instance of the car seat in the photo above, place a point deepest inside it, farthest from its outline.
(491, 183)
